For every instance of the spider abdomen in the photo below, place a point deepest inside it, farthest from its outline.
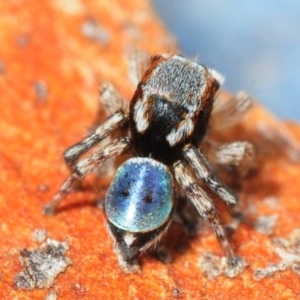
(140, 197)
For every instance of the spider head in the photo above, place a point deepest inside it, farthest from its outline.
(139, 205)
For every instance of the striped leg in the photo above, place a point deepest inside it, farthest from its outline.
(200, 166)
(206, 209)
(116, 120)
(86, 166)
(228, 112)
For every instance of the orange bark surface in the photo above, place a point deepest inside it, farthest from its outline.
(50, 71)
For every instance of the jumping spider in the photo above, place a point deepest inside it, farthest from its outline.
(167, 120)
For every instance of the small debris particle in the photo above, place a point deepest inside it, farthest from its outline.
(2, 67)
(42, 265)
(94, 31)
(41, 91)
(39, 235)
(266, 224)
(271, 201)
(22, 40)
(51, 296)
(43, 187)
(288, 250)
(78, 289)
(213, 266)
(176, 292)
(132, 30)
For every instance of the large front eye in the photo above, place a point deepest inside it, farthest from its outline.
(140, 197)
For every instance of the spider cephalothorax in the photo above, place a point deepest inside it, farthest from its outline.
(166, 122)
(171, 106)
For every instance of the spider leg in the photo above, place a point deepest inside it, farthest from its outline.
(138, 64)
(72, 154)
(187, 215)
(86, 166)
(201, 169)
(109, 97)
(206, 208)
(239, 155)
(227, 112)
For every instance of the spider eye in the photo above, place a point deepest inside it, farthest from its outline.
(140, 197)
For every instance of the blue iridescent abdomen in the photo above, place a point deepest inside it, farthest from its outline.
(140, 197)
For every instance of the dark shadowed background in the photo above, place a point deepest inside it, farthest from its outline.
(255, 44)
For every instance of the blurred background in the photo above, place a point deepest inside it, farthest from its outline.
(255, 44)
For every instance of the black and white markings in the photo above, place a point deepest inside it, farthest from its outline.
(173, 108)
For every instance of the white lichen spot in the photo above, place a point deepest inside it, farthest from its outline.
(42, 265)
(289, 252)
(266, 224)
(94, 31)
(71, 7)
(39, 235)
(213, 266)
(51, 296)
